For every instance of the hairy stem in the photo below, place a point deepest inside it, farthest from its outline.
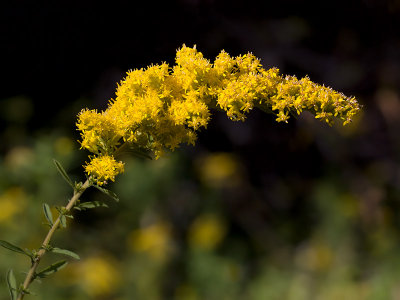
(31, 273)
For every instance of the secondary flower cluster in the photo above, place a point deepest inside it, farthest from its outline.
(161, 107)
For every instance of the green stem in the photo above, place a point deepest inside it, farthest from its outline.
(32, 271)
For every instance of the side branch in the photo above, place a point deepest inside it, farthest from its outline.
(32, 271)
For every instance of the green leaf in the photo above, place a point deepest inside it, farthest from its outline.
(14, 248)
(51, 269)
(78, 186)
(90, 204)
(12, 284)
(63, 173)
(65, 252)
(47, 213)
(63, 221)
(107, 192)
(24, 291)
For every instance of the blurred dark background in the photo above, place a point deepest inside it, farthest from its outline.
(256, 210)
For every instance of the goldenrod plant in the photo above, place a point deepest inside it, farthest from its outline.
(161, 107)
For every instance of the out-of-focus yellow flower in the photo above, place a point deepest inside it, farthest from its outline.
(12, 201)
(97, 275)
(154, 240)
(161, 107)
(219, 169)
(19, 157)
(207, 231)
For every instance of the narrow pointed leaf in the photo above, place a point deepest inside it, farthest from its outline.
(14, 248)
(25, 291)
(47, 213)
(69, 216)
(12, 284)
(63, 221)
(108, 193)
(91, 204)
(65, 252)
(51, 269)
(63, 173)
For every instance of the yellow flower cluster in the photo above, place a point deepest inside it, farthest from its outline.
(104, 168)
(159, 108)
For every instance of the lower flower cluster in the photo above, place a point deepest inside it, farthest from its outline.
(104, 168)
(160, 107)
